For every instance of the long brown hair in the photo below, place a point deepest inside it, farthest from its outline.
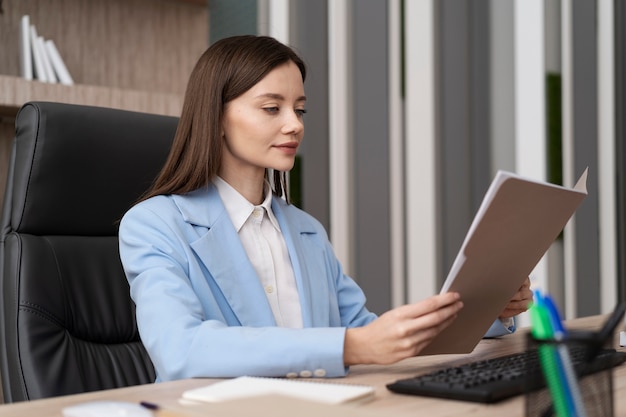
(226, 70)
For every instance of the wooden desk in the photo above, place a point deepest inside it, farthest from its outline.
(385, 403)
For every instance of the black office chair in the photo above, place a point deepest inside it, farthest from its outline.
(67, 323)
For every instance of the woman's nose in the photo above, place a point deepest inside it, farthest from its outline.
(293, 124)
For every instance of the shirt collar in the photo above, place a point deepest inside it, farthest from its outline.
(239, 208)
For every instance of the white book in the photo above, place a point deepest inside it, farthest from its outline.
(247, 386)
(58, 65)
(40, 72)
(52, 78)
(26, 57)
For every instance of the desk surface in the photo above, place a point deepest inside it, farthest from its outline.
(168, 394)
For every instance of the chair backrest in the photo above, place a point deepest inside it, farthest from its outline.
(67, 323)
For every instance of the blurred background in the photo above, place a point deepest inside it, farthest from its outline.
(413, 106)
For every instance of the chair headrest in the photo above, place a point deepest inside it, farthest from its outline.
(77, 169)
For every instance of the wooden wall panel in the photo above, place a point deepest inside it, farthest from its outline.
(16, 91)
(148, 45)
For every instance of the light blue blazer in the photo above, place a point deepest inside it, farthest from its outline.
(201, 309)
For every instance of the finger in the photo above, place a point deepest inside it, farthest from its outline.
(434, 319)
(515, 309)
(523, 293)
(423, 338)
(428, 305)
(519, 296)
(517, 305)
(522, 296)
(525, 286)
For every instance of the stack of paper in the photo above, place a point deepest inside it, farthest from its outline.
(40, 59)
(246, 386)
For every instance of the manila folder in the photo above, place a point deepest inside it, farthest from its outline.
(515, 225)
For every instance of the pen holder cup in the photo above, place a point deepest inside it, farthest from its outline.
(592, 391)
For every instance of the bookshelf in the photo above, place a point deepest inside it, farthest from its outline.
(15, 91)
(127, 54)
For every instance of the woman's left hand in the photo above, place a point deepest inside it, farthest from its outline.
(520, 301)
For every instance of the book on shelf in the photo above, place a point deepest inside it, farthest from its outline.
(26, 58)
(57, 63)
(39, 57)
(47, 66)
(38, 66)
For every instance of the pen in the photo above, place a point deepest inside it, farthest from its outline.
(160, 411)
(542, 332)
(560, 334)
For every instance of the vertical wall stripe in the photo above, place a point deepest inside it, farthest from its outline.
(463, 104)
(585, 141)
(396, 155)
(371, 151)
(580, 150)
(313, 166)
(262, 16)
(530, 155)
(340, 132)
(554, 171)
(479, 104)
(455, 51)
(420, 155)
(569, 237)
(620, 143)
(530, 99)
(278, 20)
(606, 155)
(502, 70)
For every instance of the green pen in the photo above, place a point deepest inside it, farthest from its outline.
(542, 330)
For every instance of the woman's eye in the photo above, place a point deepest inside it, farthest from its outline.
(300, 112)
(271, 110)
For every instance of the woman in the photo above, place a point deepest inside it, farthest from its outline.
(228, 278)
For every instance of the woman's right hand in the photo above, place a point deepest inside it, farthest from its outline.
(402, 332)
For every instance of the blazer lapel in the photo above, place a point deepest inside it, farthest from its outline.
(220, 250)
(307, 259)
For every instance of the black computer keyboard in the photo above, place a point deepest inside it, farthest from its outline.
(492, 380)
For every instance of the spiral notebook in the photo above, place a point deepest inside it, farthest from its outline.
(247, 386)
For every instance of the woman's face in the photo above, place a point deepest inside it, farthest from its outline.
(263, 127)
